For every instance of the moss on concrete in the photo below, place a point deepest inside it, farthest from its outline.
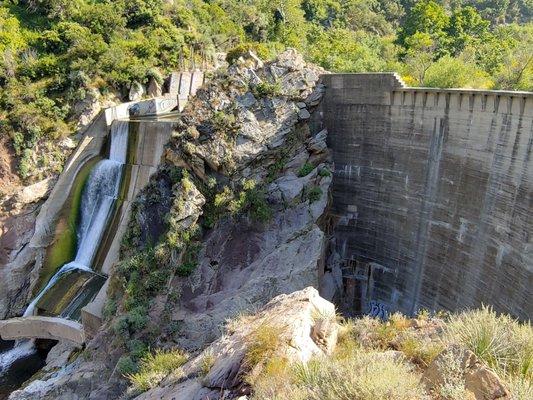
(63, 247)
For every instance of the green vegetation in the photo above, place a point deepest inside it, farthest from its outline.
(313, 194)
(324, 172)
(56, 53)
(306, 169)
(208, 360)
(126, 365)
(263, 343)
(267, 89)
(248, 198)
(154, 367)
(352, 373)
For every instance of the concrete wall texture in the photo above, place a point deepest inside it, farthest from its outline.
(432, 194)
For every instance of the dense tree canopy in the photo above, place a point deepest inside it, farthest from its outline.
(53, 53)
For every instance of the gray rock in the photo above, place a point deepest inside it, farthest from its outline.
(316, 95)
(303, 336)
(59, 355)
(88, 108)
(317, 144)
(277, 72)
(290, 59)
(477, 378)
(154, 88)
(304, 114)
(190, 202)
(137, 92)
(289, 186)
(247, 100)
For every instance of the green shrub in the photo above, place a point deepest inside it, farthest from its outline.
(314, 194)
(137, 318)
(324, 172)
(225, 123)
(305, 170)
(156, 75)
(267, 89)
(190, 260)
(126, 366)
(137, 348)
(110, 308)
(121, 327)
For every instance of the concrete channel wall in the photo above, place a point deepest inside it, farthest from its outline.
(146, 144)
(432, 194)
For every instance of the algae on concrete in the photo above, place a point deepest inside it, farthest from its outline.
(63, 248)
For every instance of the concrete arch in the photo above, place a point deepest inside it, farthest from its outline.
(42, 328)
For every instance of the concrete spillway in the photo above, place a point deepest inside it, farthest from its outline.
(432, 193)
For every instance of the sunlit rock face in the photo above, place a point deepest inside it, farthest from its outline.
(432, 190)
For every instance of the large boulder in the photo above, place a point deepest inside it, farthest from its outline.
(154, 88)
(137, 92)
(462, 366)
(304, 324)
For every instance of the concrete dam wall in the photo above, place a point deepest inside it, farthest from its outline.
(431, 196)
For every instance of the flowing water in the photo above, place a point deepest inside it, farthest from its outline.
(97, 203)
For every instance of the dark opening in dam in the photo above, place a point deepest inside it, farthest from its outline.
(431, 195)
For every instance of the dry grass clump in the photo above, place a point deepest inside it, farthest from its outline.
(361, 375)
(394, 334)
(155, 367)
(501, 342)
(263, 344)
(207, 362)
(420, 350)
(453, 387)
(367, 375)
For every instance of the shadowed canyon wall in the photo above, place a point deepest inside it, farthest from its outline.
(431, 196)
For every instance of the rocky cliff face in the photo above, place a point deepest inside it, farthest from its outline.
(255, 176)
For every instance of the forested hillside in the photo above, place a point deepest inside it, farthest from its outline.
(55, 53)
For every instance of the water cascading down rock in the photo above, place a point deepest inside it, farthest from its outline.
(98, 199)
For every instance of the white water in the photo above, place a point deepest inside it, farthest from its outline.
(97, 201)
(119, 141)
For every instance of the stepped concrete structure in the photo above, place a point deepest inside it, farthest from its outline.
(432, 195)
(145, 148)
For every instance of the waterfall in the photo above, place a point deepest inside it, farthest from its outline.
(119, 141)
(97, 202)
(98, 198)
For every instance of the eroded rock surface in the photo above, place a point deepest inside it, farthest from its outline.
(306, 326)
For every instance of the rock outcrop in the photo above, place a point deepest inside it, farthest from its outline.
(306, 327)
(478, 379)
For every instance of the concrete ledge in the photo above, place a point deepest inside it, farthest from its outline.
(42, 328)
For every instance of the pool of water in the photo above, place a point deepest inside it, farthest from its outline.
(22, 369)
